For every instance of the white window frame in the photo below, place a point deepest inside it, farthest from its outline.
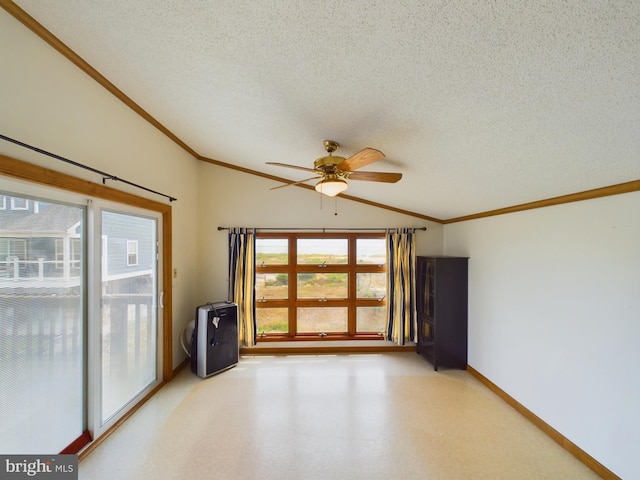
(98, 255)
(15, 205)
(132, 251)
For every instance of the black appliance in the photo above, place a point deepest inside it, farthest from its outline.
(214, 342)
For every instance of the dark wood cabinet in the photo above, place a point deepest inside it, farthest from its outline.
(442, 291)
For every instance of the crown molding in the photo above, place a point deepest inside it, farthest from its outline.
(617, 189)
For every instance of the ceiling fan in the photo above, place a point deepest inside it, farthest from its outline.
(334, 171)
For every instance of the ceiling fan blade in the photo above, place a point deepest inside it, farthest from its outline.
(375, 176)
(294, 183)
(360, 159)
(291, 166)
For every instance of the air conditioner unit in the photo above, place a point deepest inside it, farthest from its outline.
(214, 342)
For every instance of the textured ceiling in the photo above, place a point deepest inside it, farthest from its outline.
(480, 104)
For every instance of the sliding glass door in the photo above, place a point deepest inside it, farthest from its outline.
(129, 310)
(42, 327)
(81, 316)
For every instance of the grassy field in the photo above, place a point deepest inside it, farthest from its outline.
(272, 286)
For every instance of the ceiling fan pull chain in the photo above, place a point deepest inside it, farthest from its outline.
(335, 211)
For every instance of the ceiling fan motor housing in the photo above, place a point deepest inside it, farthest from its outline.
(327, 163)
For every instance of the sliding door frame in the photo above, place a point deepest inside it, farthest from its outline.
(17, 169)
(98, 424)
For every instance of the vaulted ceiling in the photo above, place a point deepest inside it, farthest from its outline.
(479, 104)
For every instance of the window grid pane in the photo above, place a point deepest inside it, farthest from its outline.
(323, 285)
(272, 251)
(272, 286)
(272, 320)
(323, 251)
(371, 285)
(371, 251)
(371, 319)
(322, 319)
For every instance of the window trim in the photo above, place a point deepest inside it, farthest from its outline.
(352, 302)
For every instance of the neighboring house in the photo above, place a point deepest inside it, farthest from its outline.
(128, 254)
(41, 246)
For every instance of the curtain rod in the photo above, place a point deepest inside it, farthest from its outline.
(105, 176)
(380, 229)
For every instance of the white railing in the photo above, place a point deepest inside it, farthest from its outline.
(54, 329)
(14, 268)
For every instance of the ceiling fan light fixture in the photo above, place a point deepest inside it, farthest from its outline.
(331, 186)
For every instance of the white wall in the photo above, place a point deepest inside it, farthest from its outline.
(230, 198)
(554, 317)
(47, 102)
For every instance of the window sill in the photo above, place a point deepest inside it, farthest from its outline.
(326, 346)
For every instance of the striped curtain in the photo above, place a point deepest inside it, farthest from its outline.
(242, 243)
(401, 261)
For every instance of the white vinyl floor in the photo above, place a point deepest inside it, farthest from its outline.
(328, 417)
